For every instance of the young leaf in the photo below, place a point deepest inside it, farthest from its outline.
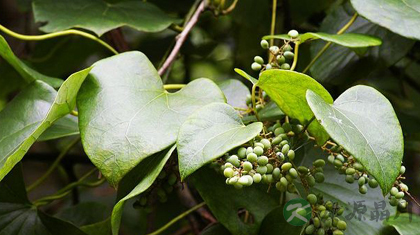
(399, 16)
(125, 115)
(236, 92)
(351, 40)
(100, 16)
(246, 76)
(363, 121)
(209, 133)
(405, 224)
(30, 113)
(138, 181)
(288, 90)
(25, 71)
(225, 201)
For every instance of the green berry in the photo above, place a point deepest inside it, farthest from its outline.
(262, 161)
(319, 163)
(261, 169)
(363, 189)
(228, 165)
(252, 157)
(393, 201)
(293, 173)
(258, 150)
(287, 47)
(258, 144)
(342, 225)
(276, 173)
(280, 155)
(284, 181)
(312, 199)
(320, 231)
(310, 229)
(289, 55)
(402, 170)
(316, 222)
(291, 188)
(349, 179)
(249, 150)
(257, 178)
(402, 204)
(285, 149)
(340, 211)
(291, 154)
(287, 127)
(358, 166)
(403, 187)
(303, 169)
(243, 181)
(338, 163)
(335, 221)
(311, 181)
(319, 177)
(270, 168)
(289, 177)
(399, 195)
(277, 140)
(394, 191)
(286, 166)
(172, 179)
(340, 157)
(242, 152)
(274, 50)
(350, 171)
(328, 223)
(281, 187)
(247, 166)
(259, 60)
(338, 232)
(373, 183)
(264, 44)
(228, 172)
(281, 59)
(258, 107)
(237, 185)
(361, 181)
(331, 159)
(278, 131)
(285, 66)
(268, 67)
(266, 143)
(284, 142)
(293, 33)
(268, 178)
(255, 66)
(329, 205)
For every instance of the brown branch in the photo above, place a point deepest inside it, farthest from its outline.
(180, 39)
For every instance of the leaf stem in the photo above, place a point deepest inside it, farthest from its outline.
(254, 87)
(53, 166)
(295, 59)
(180, 39)
(341, 31)
(230, 8)
(56, 34)
(176, 219)
(173, 86)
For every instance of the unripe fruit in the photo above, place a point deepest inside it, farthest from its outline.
(293, 173)
(284, 142)
(281, 187)
(228, 165)
(331, 159)
(338, 232)
(312, 199)
(303, 169)
(319, 163)
(255, 66)
(258, 144)
(276, 173)
(320, 231)
(281, 59)
(342, 225)
(358, 166)
(399, 195)
(340, 211)
(237, 185)
(274, 50)
(293, 33)
(319, 169)
(361, 181)
(284, 181)
(285, 66)
(280, 155)
(403, 187)
(262, 161)
(393, 201)
(338, 163)
(287, 47)
(277, 140)
(335, 221)
(261, 169)
(172, 179)
(328, 223)
(259, 59)
(266, 143)
(349, 179)
(340, 157)
(249, 150)
(268, 67)
(278, 131)
(270, 168)
(287, 127)
(252, 157)
(394, 191)
(319, 177)
(291, 154)
(264, 44)
(286, 166)
(247, 166)
(311, 181)
(228, 172)
(373, 183)
(402, 204)
(257, 178)
(289, 55)
(291, 188)
(329, 205)
(285, 149)
(242, 152)
(324, 214)
(258, 150)
(402, 170)
(350, 171)
(243, 181)
(268, 178)
(363, 189)
(316, 222)
(310, 229)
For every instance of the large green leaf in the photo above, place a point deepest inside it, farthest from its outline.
(225, 201)
(363, 121)
(405, 224)
(24, 70)
(363, 213)
(236, 92)
(399, 16)
(351, 40)
(19, 216)
(137, 181)
(338, 65)
(100, 16)
(275, 224)
(288, 90)
(30, 113)
(63, 127)
(125, 115)
(209, 133)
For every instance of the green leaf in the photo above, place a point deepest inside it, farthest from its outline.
(270, 112)
(63, 127)
(351, 40)
(24, 70)
(288, 90)
(336, 189)
(85, 213)
(341, 65)
(137, 181)
(363, 121)
(209, 133)
(100, 16)
(275, 224)
(246, 76)
(18, 216)
(236, 92)
(405, 224)
(399, 16)
(225, 201)
(125, 115)
(215, 229)
(100, 228)
(30, 113)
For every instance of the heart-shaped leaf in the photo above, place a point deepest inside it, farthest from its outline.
(100, 16)
(235, 92)
(209, 133)
(351, 40)
(405, 224)
(399, 16)
(363, 121)
(24, 70)
(137, 181)
(30, 113)
(125, 115)
(288, 90)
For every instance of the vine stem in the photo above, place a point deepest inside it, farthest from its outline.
(176, 219)
(254, 87)
(173, 86)
(53, 166)
(273, 24)
(295, 59)
(341, 31)
(180, 39)
(56, 34)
